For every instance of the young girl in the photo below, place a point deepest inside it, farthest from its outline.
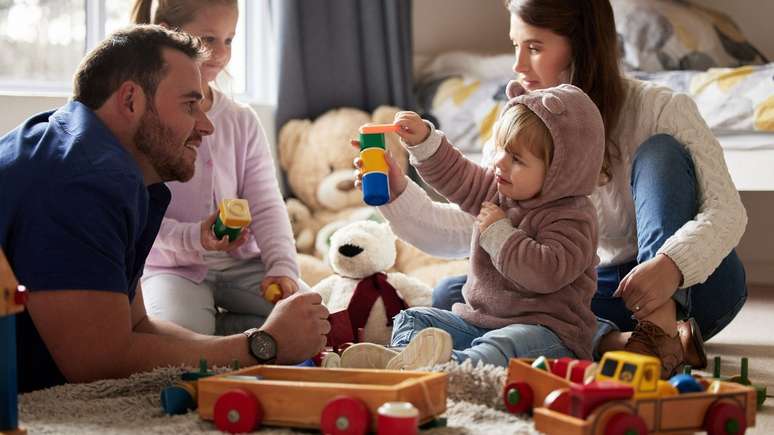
(189, 273)
(669, 214)
(533, 259)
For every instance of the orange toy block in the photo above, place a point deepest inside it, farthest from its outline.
(379, 128)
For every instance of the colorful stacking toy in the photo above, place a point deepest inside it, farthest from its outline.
(376, 186)
(233, 215)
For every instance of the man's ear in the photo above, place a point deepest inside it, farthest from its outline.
(132, 100)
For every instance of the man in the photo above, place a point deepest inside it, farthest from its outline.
(81, 202)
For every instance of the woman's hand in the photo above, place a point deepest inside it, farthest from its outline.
(395, 175)
(287, 284)
(413, 129)
(649, 285)
(211, 243)
(488, 215)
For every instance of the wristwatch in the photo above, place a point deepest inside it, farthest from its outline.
(261, 345)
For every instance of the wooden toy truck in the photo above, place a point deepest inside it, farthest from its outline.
(628, 397)
(337, 401)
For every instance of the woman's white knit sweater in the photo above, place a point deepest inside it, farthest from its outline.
(697, 247)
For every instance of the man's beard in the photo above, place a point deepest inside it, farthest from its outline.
(155, 140)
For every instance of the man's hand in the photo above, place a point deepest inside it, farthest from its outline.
(488, 215)
(649, 285)
(413, 129)
(287, 285)
(211, 243)
(299, 325)
(396, 176)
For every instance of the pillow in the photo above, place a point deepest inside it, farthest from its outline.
(737, 99)
(660, 35)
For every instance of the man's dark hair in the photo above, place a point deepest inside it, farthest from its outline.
(133, 54)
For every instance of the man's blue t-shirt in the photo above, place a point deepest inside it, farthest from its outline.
(75, 214)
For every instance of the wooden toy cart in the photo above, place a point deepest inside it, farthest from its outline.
(337, 401)
(627, 397)
(729, 411)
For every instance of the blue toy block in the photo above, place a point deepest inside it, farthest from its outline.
(9, 388)
(686, 384)
(376, 188)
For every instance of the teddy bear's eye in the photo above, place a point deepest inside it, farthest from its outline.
(349, 250)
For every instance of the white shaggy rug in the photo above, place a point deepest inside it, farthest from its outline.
(132, 405)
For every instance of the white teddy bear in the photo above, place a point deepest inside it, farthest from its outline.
(359, 254)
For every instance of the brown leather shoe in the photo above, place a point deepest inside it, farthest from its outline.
(693, 344)
(649, 339)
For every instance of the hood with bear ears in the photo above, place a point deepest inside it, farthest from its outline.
(578, 133)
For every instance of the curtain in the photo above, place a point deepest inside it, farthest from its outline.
(335, 53)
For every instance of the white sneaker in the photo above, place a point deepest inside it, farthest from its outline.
(366, 356)
(429, 347)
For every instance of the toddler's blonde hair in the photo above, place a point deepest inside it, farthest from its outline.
(519, 128)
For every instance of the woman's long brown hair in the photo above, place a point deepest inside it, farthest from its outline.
(589, 25)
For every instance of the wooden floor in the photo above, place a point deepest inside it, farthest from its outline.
(751, 334)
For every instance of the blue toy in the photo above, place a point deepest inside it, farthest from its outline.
(12, 299)
(686, 384)
(181, 397)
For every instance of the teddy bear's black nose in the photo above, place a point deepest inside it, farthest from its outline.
(350, 250)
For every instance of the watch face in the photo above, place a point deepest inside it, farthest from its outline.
(262, 346)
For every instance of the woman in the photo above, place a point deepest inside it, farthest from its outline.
(669, 214)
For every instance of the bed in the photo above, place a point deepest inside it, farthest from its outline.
(463, 94)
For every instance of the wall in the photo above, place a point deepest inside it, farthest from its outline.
(482, 25)
(17, 108)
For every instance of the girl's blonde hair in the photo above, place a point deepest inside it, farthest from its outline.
(519, 128)
(176, 13)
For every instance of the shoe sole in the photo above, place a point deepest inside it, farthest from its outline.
(366, 356)
(698, 344)
(331, 361)
(429, 347)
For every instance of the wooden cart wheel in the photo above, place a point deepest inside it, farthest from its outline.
(518, 397)
(626, 424)
(345, 415)
(725, 419)
(237, 411)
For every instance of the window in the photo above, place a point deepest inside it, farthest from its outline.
(43, 41)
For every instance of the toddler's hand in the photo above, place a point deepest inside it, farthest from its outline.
(396, 176)
(287, 284)
(211, 243)
(488, 215)
(413, 129)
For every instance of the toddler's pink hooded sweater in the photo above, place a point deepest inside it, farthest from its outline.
(537, 266)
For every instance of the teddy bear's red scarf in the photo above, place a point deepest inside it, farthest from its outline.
(368, 290)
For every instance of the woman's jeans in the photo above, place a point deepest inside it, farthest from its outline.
(490, 346)
(665, 197)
